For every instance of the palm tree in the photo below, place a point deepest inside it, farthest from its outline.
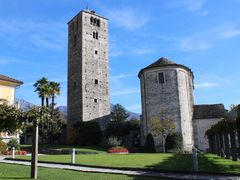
(54, 90)
(41, 88)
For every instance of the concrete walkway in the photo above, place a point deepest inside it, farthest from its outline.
(126, 172)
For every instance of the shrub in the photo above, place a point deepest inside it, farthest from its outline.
(174, 143)
(113, 141)
(120, 129)
(3, 147)
(149, 146)
(13, 143)
(88, 133)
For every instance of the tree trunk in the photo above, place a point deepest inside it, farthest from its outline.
(47, 102)
(221, 144)
(210, 141)
(226, 145)
(42, 125)
(214, 144)
(42, 101)
(163, 144)
(218, 144)
(238, 129)
(233, 145)
(53, 104)
(34, 160)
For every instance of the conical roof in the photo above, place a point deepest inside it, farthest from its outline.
(163, 62)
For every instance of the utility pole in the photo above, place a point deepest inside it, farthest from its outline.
(34, 161)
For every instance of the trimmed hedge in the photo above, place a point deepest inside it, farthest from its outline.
(174, 143)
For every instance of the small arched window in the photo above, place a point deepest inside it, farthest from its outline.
(96, 35)
(91, 20)
(98, 22)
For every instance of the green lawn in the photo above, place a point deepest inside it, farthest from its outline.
(8, 171)
(176, 162)
(63, 147)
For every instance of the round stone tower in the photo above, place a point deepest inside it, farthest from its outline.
(167, 90)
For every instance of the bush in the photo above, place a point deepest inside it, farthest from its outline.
(149, 146)
(88, 133)
(3, 147)
(113, 141)
(120, 129)
(13, 143)
(174, 143)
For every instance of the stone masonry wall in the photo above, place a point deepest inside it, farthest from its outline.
(88, 76)
(199, 128)
(174, 97)
(186, 108)
(157, 97)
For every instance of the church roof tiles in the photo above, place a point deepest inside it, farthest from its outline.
(163, 62)
(209, 111)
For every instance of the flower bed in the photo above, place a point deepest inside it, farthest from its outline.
(8, 153)
(118, 150)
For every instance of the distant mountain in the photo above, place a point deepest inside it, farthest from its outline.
(63, 109)
(25, 105)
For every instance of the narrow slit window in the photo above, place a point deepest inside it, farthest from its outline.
(96, 81)
(161, 78)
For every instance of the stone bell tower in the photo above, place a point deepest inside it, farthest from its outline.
(88, 76)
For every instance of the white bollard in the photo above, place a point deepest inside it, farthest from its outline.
(13, 152)
(73, 156)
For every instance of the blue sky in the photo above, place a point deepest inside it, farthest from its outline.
(201, 34)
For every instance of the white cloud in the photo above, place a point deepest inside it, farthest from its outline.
(115, 53)
(7, 60)
(122, 76)
(205, 85)
(125, 92)
(207, 39)
(128, 18)
(144, 51)
(135, 108)
(188, 5)
(3, 61)
(51, 35)
(192, 44)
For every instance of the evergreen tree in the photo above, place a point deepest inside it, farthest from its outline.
(119, 113)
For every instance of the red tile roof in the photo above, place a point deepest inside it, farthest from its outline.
(6, 78)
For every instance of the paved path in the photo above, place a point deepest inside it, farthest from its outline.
(126, 172)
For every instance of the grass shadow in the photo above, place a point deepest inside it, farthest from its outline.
(10, 177)
(208, 163)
